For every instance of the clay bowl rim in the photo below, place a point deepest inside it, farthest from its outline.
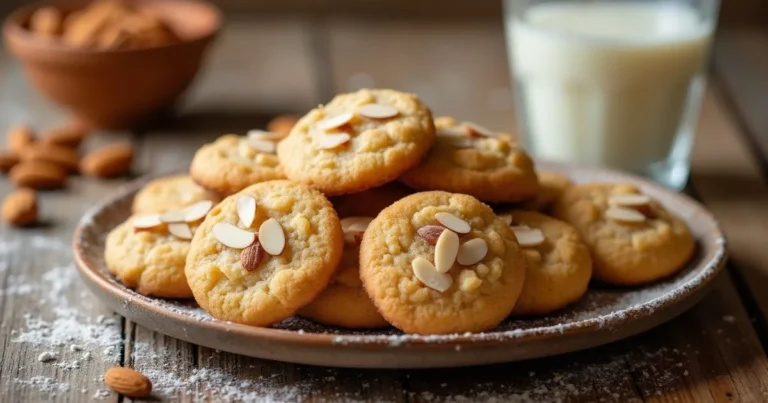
(707, 271)
(14, 32)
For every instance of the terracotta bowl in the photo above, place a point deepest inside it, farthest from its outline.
(116, 89)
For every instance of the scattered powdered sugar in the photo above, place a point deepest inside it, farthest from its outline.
(43, 384)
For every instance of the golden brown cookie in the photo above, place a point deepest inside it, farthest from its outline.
(149, 255)
(232, 162)
(169, 193)
(358, 141)
(632, 237)
(344, 302)
(265, 252)
(438, 262)
(469, 159)
(558, 261)
(551, 186)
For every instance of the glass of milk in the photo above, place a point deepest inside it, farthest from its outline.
(615, 83)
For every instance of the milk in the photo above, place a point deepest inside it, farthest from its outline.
(608, 83)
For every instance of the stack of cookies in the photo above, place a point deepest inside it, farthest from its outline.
(369, 213)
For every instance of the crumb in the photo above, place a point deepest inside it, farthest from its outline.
(47, 356)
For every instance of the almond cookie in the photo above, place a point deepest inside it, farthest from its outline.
(265, 252)
(148, 251)
(344, 302)
(633, 238)
(438, 262)
(232, 162)
(170, 192)
(358, 141)
(472, 160)
(551, 186)
(558, 261)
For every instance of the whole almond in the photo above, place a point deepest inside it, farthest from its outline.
(20, 207)
(70, 135)
(252, 256)
(108, 162)
(282, 124)
(38, 175)
(65, 157)
(7, 161)
(430, 233)
(46, 21)
(128, 382)
(19, 137)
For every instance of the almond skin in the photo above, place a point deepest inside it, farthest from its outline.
(108, 162)
(38, 175)
(19, 137)
(70, 135)
(7, 161)
(65, 157)
(430, 233)
(252, 256)
(128, 382)
(20, 207)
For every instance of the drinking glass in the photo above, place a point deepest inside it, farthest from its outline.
(615, 83)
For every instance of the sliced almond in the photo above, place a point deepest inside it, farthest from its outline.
(198, 211)
(173, 216)
(334, 122)
(180, 230)
(453, 223)
(528, 236)
(624, 215)
(460, 142)
(377, 111)
(246, 209)
(453, 131)
(629, 200)
(354, 228)
(264, 146)
(507, 218)
(328, 141)
(429, 276)
(272, 237)
(430, 233)
(262, 135)
(252, 256)
(476, 130)
(446, 249)
(147, 222)
(232, 236)
(472, 251)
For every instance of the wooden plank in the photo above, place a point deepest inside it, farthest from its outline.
(729, 180)
(45, 307)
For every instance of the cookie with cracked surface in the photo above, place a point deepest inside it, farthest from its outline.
(551, 186)
(297, 243)
(232, 163)
(358, 141)
(344, 302)
(469, 159)
(169, 193)
(468, 281)
(633, 239)
(150, 261)
(559, 265)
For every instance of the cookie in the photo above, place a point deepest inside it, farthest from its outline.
(149, 255)
(551, 186)
(265, 252)
(169, 193)
(633, 239)
(232, 162)
(558, 261)
(358, 141)
(344, 302)
(472, 160)
(439, 262)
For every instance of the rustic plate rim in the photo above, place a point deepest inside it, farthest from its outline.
(707, 272)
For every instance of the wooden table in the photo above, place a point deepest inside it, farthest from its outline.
(277, 64)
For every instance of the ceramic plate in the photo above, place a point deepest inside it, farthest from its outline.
(604, 315)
